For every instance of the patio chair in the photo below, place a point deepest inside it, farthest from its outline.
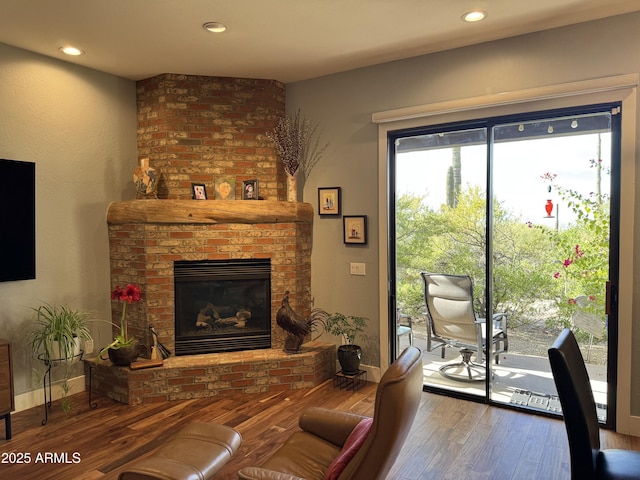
(587, 322)
(404, 326)
(570, 375)
(451, 322)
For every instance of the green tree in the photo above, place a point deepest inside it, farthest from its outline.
(453, 240)
(416, 224)
(521, 273)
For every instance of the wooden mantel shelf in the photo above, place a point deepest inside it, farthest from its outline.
(208, 211)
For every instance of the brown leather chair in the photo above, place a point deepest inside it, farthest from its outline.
(588, 462)
(307, 454)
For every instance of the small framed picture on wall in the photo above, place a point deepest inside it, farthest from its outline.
(199, 191)
(355, 229)
(250, 190)
(329, 201)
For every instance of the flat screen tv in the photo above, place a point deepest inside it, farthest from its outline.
(17, 220)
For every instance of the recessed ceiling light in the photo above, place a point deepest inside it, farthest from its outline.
(214, 27)
(71, 51)
(474, 16)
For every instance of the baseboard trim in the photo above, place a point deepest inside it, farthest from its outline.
(35, 398)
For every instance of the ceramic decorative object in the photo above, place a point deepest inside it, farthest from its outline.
(145, 179)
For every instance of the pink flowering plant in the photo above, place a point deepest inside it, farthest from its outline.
(581, 279)
(582, 253)
(129, 294)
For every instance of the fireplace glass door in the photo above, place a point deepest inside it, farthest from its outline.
(222, 306)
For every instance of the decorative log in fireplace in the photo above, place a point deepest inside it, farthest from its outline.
(222, 305)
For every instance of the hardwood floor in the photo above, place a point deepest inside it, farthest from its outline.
(450, 438)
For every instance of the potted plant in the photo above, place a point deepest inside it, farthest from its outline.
(347, 327)
(56, 339)
(123, 349)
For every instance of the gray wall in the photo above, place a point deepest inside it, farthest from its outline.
(79, 127)
(343, 104)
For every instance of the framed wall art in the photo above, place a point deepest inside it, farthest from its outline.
(199, 191)
(250, 190)
(225, 188)
(355, 229)
(329, 201)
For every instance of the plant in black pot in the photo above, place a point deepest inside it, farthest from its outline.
(56, 338)
(347, 327)
(123, 349)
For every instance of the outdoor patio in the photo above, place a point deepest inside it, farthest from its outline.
(523, 376)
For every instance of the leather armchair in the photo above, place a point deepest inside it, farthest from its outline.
(308, 453)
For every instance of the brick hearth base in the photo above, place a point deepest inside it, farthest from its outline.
(211, 375)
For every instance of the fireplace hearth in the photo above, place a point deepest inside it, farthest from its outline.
(222, 305)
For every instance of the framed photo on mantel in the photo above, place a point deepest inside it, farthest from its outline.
(225, 188)
(250, 190)
(199, 191)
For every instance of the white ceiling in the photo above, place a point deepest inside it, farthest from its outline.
(286, 40)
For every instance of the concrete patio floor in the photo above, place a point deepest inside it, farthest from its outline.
(516, 372)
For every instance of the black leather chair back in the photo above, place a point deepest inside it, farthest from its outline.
(578, 406)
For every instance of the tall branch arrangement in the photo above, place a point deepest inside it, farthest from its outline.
(292, 137)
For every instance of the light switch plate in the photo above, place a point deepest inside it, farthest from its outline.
(357, 268)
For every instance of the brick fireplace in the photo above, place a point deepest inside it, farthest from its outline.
(194, 129)
(146, 237)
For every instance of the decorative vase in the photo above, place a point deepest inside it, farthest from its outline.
(292, 187)
(349, 357)
(123, 356)
(145, 179)
(549, 207)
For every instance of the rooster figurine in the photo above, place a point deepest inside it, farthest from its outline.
(295, 325)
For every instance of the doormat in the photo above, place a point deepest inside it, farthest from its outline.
(547, 402)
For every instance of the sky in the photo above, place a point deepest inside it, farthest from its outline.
(518, 167)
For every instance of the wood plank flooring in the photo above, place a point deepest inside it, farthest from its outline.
(450, 438)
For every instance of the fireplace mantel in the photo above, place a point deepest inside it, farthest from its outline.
(208, 212)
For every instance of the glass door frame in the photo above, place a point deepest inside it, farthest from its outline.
(614, 234)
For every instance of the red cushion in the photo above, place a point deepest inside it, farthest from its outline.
(356, 438)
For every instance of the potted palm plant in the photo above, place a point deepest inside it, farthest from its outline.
(347, 327)
(56, 338)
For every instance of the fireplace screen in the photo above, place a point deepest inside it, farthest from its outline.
(222, 306)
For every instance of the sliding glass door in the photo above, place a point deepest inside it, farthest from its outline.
(522, 206)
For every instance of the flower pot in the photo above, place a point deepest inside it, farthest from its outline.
(123, 356)
(349, 357)
(58, 357)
